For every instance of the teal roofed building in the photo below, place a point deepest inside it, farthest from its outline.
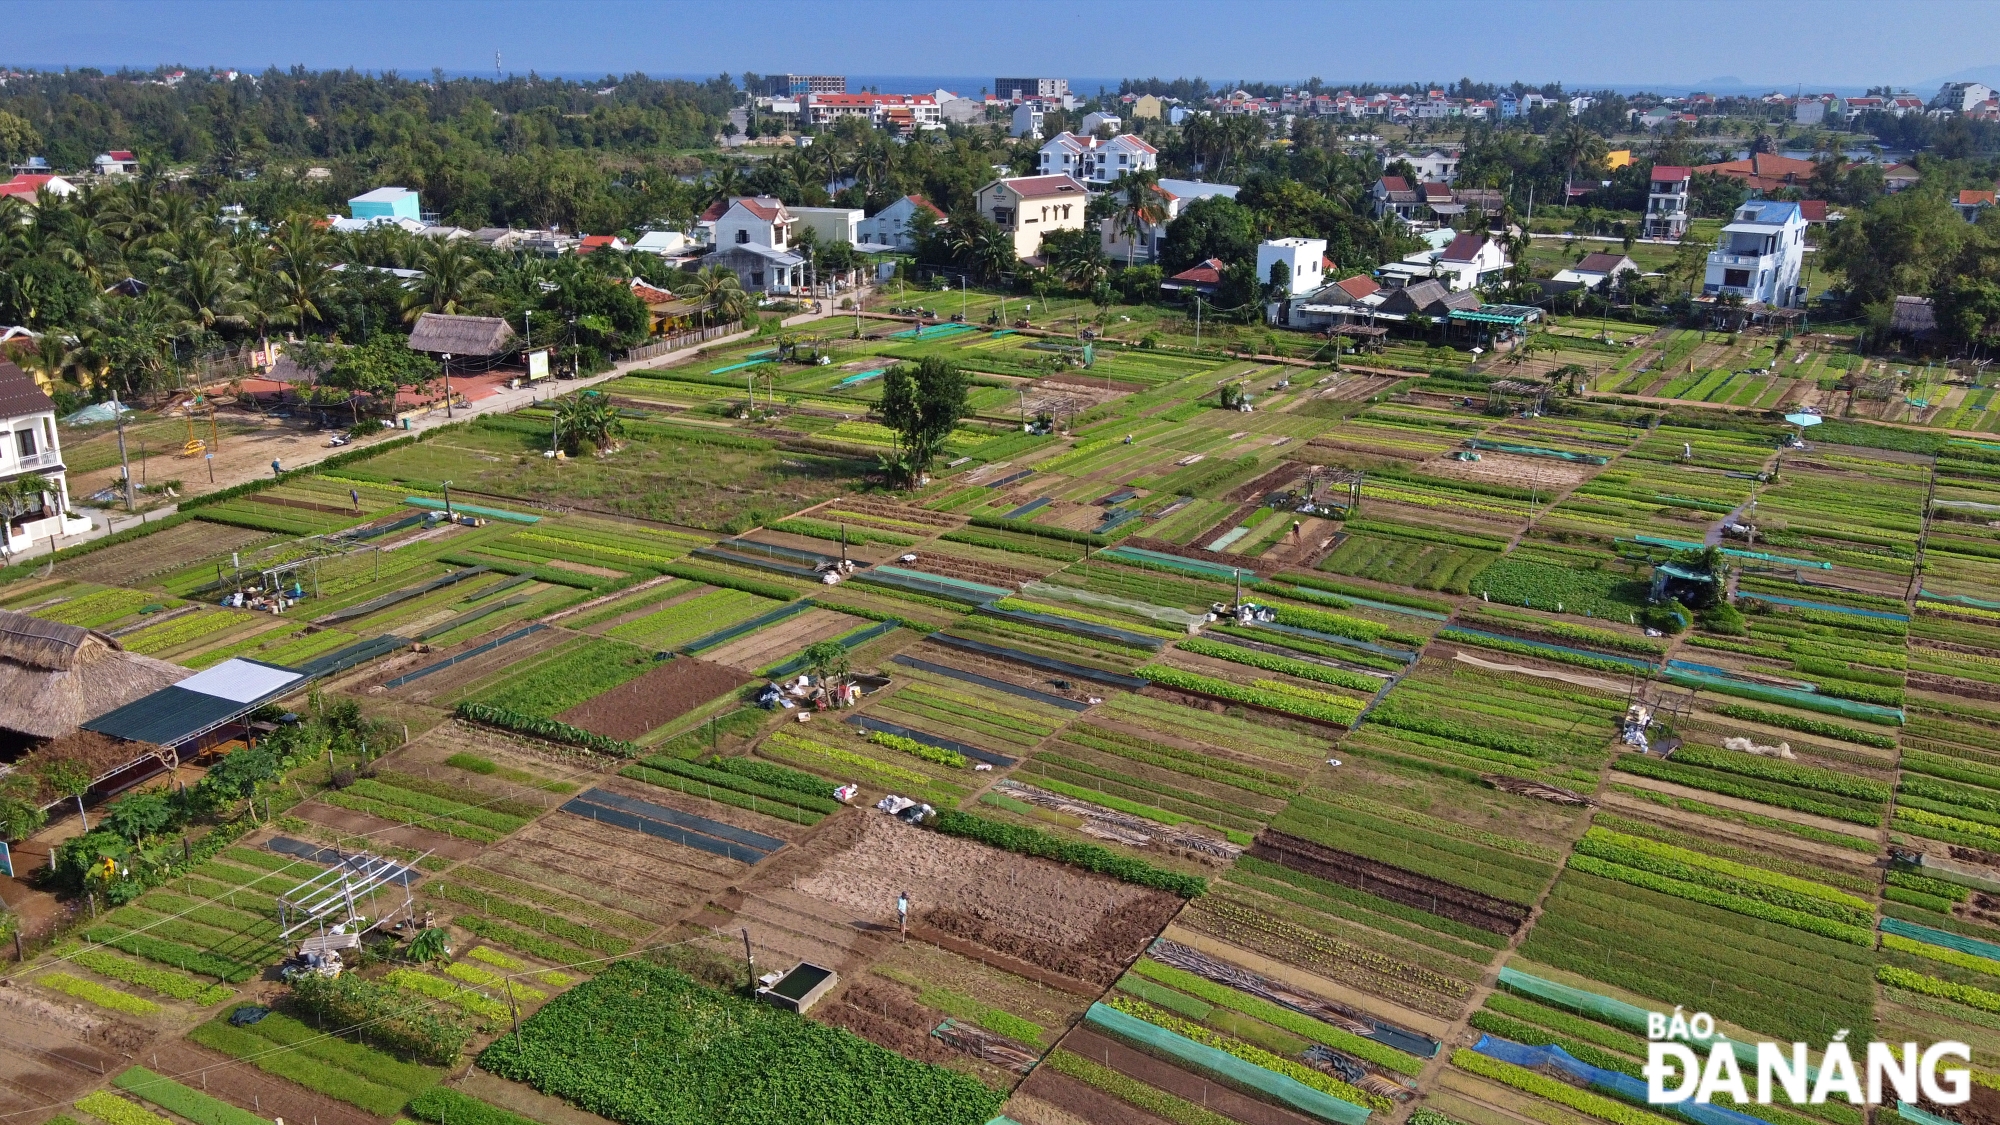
(385, 203)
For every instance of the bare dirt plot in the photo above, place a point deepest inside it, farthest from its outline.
(975, 570)
(248, 1088)
(636, 706)
(1043, 912)
(1595, 683)
(134, 562)
(1051, 1098)
(1545, 473)
(656, 879)
(775, 642)
(51, 1051)
(1181, 1083)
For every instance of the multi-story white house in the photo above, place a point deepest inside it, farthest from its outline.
(1144, 246)
(1027, 121)
(1468, 261)
(29, 447)
(1667, 201)
(1094, 160)
(1099, 119)
(1437, 164)
(1302, 259)
(1760, 255)
(750, 235)
(1028, 207)
(891, 225)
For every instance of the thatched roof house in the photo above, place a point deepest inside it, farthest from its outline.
(462, 337)
(55, 677)
(1913, 316)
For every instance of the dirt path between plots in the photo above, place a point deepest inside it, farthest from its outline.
(637, 706)
(1576, 678)
(1737, 804)
(1620, 802)
(249, 1088)
(1052, 1098)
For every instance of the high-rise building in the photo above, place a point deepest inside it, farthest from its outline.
(795, 85)
(1015, 89)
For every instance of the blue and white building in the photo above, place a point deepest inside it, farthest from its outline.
(1760, 256)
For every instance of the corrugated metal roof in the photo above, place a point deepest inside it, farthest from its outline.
(167, 717)
(240, 681)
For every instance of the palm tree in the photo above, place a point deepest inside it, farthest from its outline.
(1577, 146)
(831, 157)
(1139, 206)
(206, 287)
(452, 277)
(720, 291)
(302, 279)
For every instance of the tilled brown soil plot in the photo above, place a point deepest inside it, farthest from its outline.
(637, 706)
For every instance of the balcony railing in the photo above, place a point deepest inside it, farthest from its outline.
(1723, 258)
(46, 459)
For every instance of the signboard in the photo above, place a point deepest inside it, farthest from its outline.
(538, 365)
(6, 860)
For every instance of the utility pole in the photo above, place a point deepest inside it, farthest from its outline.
(447, 384)
(749, 960)
(1197, 322)
(118, 412)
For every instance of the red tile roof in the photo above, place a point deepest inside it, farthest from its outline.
(1358, 286)
(1813, 210)
(1202, 273)
(1436, 192)
(1600, 263)
(649, 294)
(715, 211)
(1667, 173)
(926, 204)
(1395, 183)
(1037, 187)
(1465, 247)
(1970, 198)
(123, 156)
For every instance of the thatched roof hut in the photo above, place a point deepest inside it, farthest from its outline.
(55, 677)
(462, 337)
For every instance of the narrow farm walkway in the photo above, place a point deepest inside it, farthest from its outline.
(110, 520)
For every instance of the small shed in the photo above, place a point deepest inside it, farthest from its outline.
(472, 342)
(1914, 317)
(1672, 580)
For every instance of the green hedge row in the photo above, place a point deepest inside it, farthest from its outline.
(545, 728)
(1090, 857)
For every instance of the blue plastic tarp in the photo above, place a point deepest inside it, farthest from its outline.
(1941, 938)
(1622, 1086)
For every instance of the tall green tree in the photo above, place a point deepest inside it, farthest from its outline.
(923, 405)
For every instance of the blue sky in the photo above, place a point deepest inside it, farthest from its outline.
(1668, 43)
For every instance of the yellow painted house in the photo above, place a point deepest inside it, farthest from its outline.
(1149, 106)
(1617, 158)
(1027, 207)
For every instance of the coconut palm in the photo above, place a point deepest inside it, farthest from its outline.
(302, 279)
(206, 287)
(719, 291)
(452, 278)
(1139, 207)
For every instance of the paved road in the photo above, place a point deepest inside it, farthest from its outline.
(106, 521)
